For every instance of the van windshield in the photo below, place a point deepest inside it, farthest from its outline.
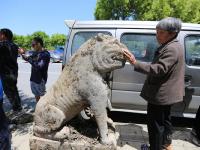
(82, 37)
(142, 46)
(192, 49)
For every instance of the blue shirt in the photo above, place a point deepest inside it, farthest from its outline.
(1, 90)
(40, 63)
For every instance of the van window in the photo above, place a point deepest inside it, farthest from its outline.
(82, 37)
(192, 50)
(142, 46)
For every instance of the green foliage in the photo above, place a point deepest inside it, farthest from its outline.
(186, 10)
(114, 9)
(57, 39)
(20, 40)
(50, 42)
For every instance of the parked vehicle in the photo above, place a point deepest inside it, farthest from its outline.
(140, 38)
(57, 54)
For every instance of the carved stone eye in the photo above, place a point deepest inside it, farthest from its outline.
(113, 57)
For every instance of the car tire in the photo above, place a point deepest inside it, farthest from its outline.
(86, 114)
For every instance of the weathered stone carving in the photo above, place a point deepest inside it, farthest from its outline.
(80, 85)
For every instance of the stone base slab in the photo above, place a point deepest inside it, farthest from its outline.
(37, 143)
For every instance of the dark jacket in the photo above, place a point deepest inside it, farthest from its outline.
(8, 58)
(40, 63)
(164, 84)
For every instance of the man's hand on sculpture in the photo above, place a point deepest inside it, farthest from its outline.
(129, 56)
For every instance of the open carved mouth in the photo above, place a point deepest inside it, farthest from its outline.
(118, 58)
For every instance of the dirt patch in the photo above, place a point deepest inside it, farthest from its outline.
(83, 130)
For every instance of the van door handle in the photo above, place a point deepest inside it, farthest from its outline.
(188, 80)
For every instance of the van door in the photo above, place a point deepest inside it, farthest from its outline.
(191, 42)
(127, 84)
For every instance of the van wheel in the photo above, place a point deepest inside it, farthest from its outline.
(86, 114)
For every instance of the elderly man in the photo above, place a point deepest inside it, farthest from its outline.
(164, 85)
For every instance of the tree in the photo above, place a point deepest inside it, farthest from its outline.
(187, 11)
(19, 39)
(23, 41)
(58, 40)
(114, 9)
(50, 42)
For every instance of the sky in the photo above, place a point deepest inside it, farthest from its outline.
(25, 17)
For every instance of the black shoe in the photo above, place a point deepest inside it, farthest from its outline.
(145, 147)
(17, 109)
(194, 139)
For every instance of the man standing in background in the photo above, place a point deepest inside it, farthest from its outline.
(39, 61)
(9, 68)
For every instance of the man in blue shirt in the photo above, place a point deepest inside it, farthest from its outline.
(39, 61)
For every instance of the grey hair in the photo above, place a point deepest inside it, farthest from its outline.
(170, 24)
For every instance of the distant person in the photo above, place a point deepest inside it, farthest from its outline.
(9, 68)
(39, 61)
(164, 85)
(5, 143)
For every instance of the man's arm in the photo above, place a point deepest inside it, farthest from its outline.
(160, 68)
(21, 51)
(41, 62)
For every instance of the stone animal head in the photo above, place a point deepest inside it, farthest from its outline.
(106, 53)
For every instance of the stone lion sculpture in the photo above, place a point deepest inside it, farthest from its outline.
(81, 84)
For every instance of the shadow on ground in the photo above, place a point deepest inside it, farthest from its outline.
(27, 102)
(131, 135)
(136, 133)
(19, 124)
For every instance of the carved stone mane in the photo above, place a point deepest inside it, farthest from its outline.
(80, 85)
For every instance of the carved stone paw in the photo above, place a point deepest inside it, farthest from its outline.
(111, 124)
(111, 139)
(62, 134)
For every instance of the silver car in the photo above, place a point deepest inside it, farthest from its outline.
(57, 54)
(140, 38)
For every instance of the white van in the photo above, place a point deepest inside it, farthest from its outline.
(140, 38)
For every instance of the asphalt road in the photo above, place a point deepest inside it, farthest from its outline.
(23, 83)
(25, 72)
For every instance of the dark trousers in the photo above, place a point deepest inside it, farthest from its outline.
(197, 123)
(159, 126)
(5, 135)
(9, 83)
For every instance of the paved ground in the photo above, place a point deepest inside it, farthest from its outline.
(131, 137)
